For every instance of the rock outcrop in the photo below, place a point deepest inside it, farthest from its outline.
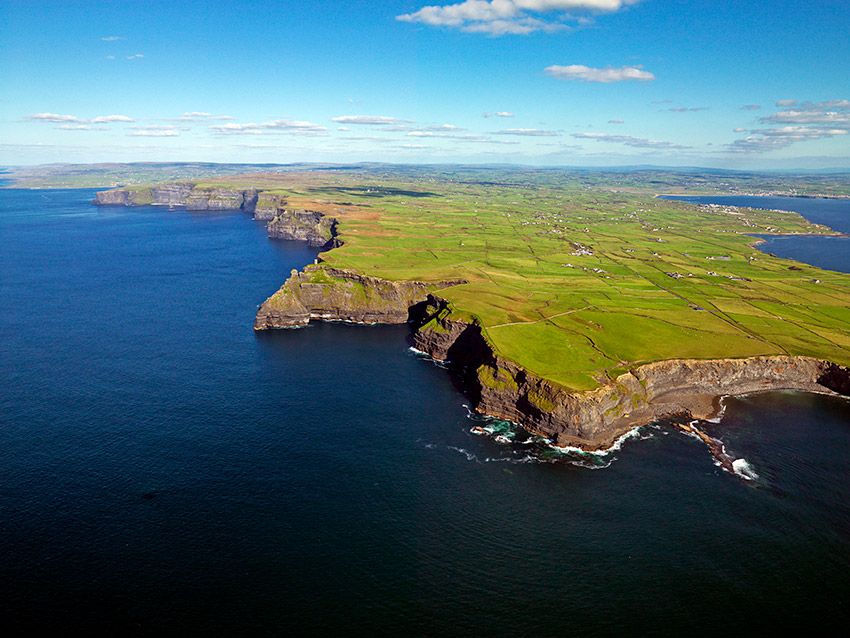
(317, 229)
(183, 195)
(330, 294)
(595, 419)
(268, 206)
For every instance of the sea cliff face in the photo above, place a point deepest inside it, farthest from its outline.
(329, 294)
(318, 230)
(681, 388)
(182, 195)
(496, 386)
(689, 389)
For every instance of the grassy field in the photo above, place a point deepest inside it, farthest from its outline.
(577, 283)
(653, 180)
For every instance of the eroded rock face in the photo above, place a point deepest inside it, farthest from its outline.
(113, 198)
(594, 419)
(318, 230)
(497, 387)
(171, 194)
(182, 195)
(268, 205)
(330, 294)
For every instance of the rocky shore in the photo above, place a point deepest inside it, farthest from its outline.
(591, 420)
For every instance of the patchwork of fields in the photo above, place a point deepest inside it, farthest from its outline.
(579, 284)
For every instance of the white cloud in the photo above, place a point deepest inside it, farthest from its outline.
(606, 75)
(440, 127)
(517, 26)
(106, 119)
(808, 117)
(136, 56)
(298, 127)
(771, 139)
(194, 116)
(295, 126)
(457, 137)
(54, 117)
(502, 17)
(154, 131)
(687, 109)
(616, 122)
(430, 134)
(803, 121)
(751, 107)
(76, 127)
(527, 132)
(100, 119)
(831, 112)
(628, 140)
(503, 114)
(112, 38)
(369, 120)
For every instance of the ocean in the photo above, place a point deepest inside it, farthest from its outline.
(165, 469)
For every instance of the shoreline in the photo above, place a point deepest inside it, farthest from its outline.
(592, 421)
(748, 194)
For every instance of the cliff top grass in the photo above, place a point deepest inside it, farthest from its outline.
(578, 284)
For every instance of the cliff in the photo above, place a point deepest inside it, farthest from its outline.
(268, 206)
(329, 294)
(686, 388)
(315, 228)
(318, 230)
(184, 195)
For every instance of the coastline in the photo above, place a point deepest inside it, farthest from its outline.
(591, 421)
(751, 194)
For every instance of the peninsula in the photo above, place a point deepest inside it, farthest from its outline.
(579, 312)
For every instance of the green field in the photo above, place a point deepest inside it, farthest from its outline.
(635, 180)
(577, 284)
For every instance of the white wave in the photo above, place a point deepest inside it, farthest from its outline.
(469, 455)
(743, 469)
(591, 466)
(571, 449)
(528, 458)
(719, 416)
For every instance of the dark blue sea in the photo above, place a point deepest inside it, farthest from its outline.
(163, 469)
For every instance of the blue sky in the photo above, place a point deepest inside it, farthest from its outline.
(738, 84)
